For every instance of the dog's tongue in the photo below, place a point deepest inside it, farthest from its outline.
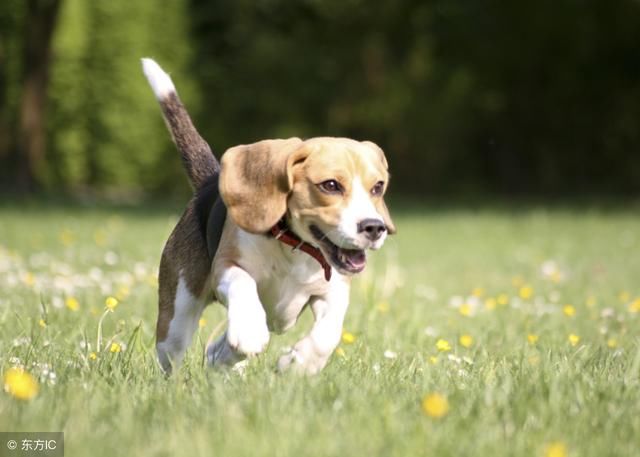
(356, 258)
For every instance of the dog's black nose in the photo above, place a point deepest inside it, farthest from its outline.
(372, 228)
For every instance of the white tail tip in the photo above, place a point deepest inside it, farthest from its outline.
(160, 81)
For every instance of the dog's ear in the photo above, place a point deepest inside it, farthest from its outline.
(256, 180)
(381, 206)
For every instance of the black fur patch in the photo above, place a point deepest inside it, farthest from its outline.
(211, 213)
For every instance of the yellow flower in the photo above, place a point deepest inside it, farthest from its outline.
(111, 303)
(122, 293)
(557, 449)
(624, 296)
(347, 337)
(532, 339)
(435, 405)
(477, 292)
(202, 322)
(591, 301)
(383, 307)
(465, 309)
(503, 299)
(29, 279)
(612, 343)
(100, 237)
(67, 237)
(72, 303)
(574, 339)
(20, 384)
(634, 306)
(42, 323)
(466, 340)
(525, 292)
(443, 345)
(433, 360)
(93, 356)
(115, 348)
(490, 304)
(341, 353)
(569, 310)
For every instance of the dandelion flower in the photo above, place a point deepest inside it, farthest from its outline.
(122, 293)
(435, 405)
(29, 279)
(348, 337)
(557, 449)
(466, 340)
(477, 292)
(569, 310)
(67, 237)
(202, 322)
(525, 292)
(503, 299)
(624, 296)
(20, 384)
(490, 304)
(612, 343)
(115, 348)
(634, 306)
(93, 356)
(383, 307)
(111, 303)
(433, 360)
(465, 309)
(532, 338)
(42, 323)
(574, 339)
(443, 345)
(72, 303)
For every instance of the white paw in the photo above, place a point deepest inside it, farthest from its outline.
(301, 362)
(248, 337)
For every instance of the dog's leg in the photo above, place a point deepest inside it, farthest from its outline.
(178, 318)
(247, 333)
(311, 353)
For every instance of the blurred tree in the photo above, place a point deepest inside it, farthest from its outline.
(34, 25)
(465, 96)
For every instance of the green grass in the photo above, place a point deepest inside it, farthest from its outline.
(506, 396)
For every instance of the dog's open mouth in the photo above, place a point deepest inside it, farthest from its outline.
(346, 260)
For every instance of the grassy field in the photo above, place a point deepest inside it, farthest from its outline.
(475, 332)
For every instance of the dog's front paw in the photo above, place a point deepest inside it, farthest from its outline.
(301, 361)
(248, 338)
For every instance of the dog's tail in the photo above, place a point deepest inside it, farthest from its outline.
(197, 157)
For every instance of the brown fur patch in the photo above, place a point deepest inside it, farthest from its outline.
(185, 252)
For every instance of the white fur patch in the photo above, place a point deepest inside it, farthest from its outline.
(360, 207)
(186, 313)
(160, 81)
(247, 332)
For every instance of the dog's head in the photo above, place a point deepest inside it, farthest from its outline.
(332, 190)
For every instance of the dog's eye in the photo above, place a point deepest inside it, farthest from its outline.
(331, 186)
(377, 189)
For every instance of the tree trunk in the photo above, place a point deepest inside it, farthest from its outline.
(40, 22)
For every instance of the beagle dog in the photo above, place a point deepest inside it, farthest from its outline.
(278, 225)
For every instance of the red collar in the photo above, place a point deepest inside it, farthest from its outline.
(281, 232)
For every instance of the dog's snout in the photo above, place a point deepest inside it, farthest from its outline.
(372, 228)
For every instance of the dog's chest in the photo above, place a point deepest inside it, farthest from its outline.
(286, 281)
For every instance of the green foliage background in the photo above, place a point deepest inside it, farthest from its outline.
(465, 97)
